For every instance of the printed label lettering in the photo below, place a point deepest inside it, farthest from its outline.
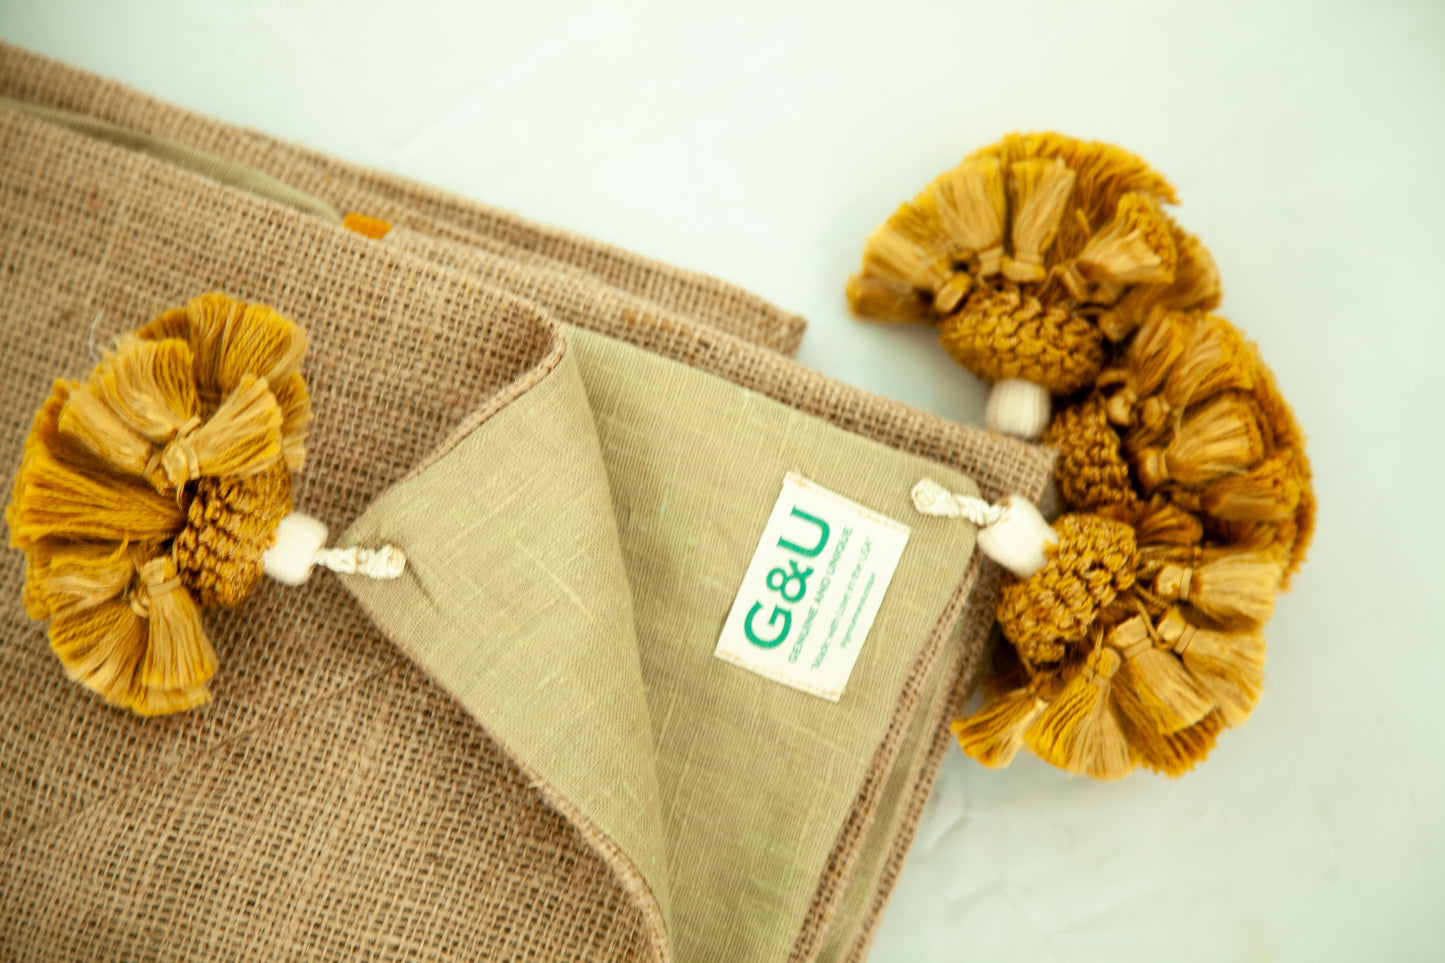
(812, 589)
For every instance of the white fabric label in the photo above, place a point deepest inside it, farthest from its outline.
(812, 590)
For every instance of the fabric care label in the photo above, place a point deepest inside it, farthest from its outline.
(812, 590)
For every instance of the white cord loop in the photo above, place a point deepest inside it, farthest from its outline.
(931, 498)
(298, 548)
(1012, 533)
(381, 564)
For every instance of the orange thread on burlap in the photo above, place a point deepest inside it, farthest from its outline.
(372, 227)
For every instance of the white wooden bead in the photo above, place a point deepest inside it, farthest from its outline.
(298, 538)
(1017, 407)
(1017, 540)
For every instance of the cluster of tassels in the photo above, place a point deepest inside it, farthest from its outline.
(1049, 267)
(1033, 257)
(152, 489)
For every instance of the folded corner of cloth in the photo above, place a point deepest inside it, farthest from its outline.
(667, 675)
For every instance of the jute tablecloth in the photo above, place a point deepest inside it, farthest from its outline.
(524, 749)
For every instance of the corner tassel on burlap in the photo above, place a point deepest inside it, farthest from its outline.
(154, 489)
(1050, 268)
(1121, 653)
(1033, 258)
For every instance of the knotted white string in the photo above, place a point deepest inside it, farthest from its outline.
(299, 546)
(387, 562)
(1012, 533)
(931, 498)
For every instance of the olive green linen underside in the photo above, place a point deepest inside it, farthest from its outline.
(571, 562)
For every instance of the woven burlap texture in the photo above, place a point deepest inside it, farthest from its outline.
(336, 801)
(667, 290)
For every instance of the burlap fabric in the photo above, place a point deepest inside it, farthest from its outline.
(563, 257)
(338, 800)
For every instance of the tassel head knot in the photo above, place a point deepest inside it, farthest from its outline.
(178, 461)
(1094, 560)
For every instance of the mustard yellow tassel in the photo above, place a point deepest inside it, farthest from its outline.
(1135, 247)
(1161, 522)
(241, 438)
(1268, 492)
(1153, 687)
(994, 734)
(1216, 359)
(1178, 752)
(1195, 288)
(1040, 190)
(1221, 438)
(881, 299)
(102, 648)
(1230, 666)
(971, 207)
(69, 576)
(295, 404)
(54, 500)
(913, 250)
(178, 653)
(1234, 590)
(150, 386)
(230, 340)
(1079, 731)
(1153, 352)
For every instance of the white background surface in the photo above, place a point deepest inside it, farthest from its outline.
(761, 142)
